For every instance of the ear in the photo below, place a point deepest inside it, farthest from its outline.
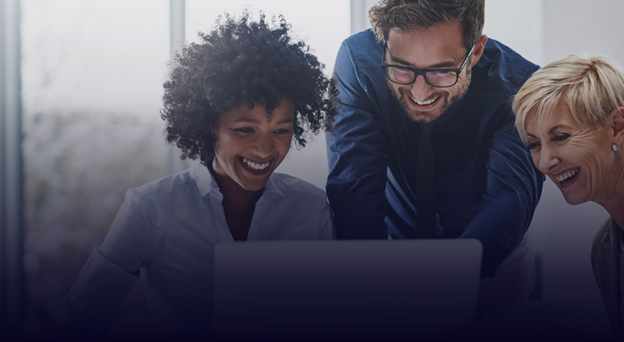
(616, 121)
(478, 50)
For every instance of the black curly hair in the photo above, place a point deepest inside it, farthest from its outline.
(243, 62)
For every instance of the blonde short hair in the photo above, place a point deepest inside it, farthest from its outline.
(592, 87)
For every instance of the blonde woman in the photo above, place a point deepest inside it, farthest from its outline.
(571, 115)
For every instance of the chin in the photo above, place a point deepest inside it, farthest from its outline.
(253, 187)
(423, 117)
(574, 200)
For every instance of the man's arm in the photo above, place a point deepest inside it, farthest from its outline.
(513, 190)
(357, 160)
(326, 222)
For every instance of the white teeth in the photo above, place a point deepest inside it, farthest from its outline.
(424, 103)
(256, 166)
(567, 175)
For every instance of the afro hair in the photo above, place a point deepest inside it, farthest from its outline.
(242, 62)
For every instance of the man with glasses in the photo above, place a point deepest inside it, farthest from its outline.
(425, 146)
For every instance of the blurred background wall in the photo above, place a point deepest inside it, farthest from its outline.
(91, 87)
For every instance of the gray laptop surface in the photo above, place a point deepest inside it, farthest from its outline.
(346, 288)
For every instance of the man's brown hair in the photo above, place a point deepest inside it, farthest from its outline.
(411, 14)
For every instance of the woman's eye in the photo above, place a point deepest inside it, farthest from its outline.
(561, 137)
(244, 130)
(282, 131)
(533, 146)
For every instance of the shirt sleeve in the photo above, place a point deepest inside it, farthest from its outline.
(93, 302)
(326, 219)
(513, 189)
(357, 160)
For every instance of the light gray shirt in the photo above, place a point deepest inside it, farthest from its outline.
(166, 231)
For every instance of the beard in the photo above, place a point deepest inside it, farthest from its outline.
(445, 97)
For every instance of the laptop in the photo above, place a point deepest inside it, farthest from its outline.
(346, 290)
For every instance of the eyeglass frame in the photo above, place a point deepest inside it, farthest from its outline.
(423, 72)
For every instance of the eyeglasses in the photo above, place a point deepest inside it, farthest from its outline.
(440, 78)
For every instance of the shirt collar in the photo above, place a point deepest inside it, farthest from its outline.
(206, 183)
(203, 178)
(271, 186)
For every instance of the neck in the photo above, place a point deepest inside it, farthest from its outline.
(615, 208)
(238, 205)
(234, 193)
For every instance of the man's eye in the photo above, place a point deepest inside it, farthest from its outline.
(401, 72)
(441, 73)
(282, 131)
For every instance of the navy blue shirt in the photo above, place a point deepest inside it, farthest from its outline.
(486, 185)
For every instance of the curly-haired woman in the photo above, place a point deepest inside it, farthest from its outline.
(234, 102)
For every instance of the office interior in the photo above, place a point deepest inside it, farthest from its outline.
(80, 95)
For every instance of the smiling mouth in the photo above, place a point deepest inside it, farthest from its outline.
(253, 165)
(424, 103)
(568, 176)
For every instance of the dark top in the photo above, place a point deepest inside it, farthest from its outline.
(486, 185)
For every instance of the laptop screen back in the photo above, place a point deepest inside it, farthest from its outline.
(331, 287)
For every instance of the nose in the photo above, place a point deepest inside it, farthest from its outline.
(420, 89)
(265, 145)
(548, 160)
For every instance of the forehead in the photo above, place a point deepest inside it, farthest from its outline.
(423, 47)
(258, 114)
(558, 116)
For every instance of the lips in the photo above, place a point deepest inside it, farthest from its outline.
(566, 178)
(430, 103)
(424, 102)
(254, 166)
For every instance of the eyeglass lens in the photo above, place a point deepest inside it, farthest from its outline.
(439, 78)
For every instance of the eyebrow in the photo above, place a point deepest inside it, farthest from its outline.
(250, 120)
(449, 64)
(555, 128)
(549, 131)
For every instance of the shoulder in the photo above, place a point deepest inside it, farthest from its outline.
(293, 187)
(362, 50)
(361, 42)
(360, 77)
(603, 234)
(502, 69)
(601, 240)
(166, 185)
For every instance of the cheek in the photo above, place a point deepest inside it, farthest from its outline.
(535, 156)
(225, 146)
(284, 145)
(397, 90)
(602, 160)
(584, 154)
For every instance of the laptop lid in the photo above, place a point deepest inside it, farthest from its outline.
(366, 286)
